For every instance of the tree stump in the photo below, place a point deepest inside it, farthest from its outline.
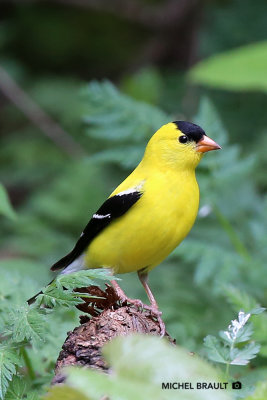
(108, 319)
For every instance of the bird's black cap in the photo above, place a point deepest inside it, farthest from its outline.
(192, 131)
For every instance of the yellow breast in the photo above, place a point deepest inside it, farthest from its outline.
(153, 227)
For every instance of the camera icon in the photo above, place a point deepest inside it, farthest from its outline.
(237, 385)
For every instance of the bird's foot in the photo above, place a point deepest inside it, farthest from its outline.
(153, 308)
(135, 302)
(155, 312)
(123, 298)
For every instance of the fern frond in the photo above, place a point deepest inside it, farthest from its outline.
(9, 361)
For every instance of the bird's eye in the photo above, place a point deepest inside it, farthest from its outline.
(183, 139)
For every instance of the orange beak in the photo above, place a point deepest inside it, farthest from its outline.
(207, 144)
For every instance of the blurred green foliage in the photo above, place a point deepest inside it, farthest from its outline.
(220, 269)
(137, 373)
(5, 207)
(222, 261)
(239, 69)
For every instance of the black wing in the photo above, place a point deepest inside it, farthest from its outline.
(114, 207)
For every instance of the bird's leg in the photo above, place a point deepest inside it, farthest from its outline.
(154, 309)
(122, 296)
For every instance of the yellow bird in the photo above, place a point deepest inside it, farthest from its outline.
(149, 213)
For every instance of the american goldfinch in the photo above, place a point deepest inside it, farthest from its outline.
(149, 213)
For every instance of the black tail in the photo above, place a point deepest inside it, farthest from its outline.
(65, 261)
(32, 299)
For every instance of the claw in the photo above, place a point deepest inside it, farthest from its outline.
(154, 311)
(135, 302)
(153, 308)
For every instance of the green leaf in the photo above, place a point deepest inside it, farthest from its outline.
(32, 396)
(27, 324)
(82, 278)
(257, 310)
(53, 296)
(242, 356)
(215, 351)
(242, 335)
(5, 207)
(17, 389)
(96, 385)
(140, 364)
(9, 360)
(238, 331)
(59, 292)
(239, 69)
(149, 359)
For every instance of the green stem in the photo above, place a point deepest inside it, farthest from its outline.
(28, 363)
(227, 371)
(228, 365)
(236, 242)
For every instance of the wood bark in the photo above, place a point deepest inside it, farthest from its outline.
(105, 318)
